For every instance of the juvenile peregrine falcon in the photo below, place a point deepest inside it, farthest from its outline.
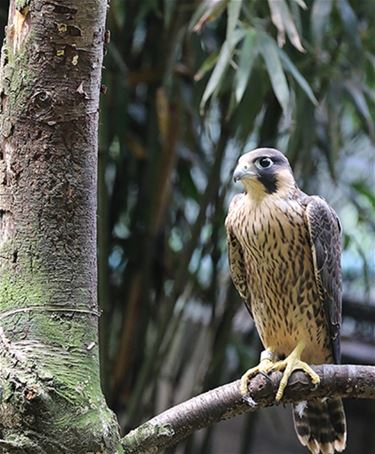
(284, 255)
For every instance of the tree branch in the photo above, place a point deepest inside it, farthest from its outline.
(226, 401)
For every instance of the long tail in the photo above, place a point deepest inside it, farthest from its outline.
(320, 425)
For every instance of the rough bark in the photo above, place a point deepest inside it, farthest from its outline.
(225, 402)
(51, 401)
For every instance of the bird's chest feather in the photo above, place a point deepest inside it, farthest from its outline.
(277, 257)
(275, 242)
(270, 230)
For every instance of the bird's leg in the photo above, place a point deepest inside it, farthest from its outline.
(289, 365)
(267, 361)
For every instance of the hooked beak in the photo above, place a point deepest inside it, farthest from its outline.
(242, 171)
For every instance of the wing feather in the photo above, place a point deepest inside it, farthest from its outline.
(325, 239)
(236, 259)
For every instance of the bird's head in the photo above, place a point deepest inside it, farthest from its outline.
(265, 171)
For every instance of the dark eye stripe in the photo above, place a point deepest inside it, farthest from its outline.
(269, 182)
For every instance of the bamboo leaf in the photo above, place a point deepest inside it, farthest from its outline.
(244, 116)
(290, 27)
(275, 71)
(320, 14)
(247, 57)
(218, 73)
(281, 17)
(351, 29)
(206, 66)
(295, 11)
(234, 8)
(301, 3)
(364, 190)
(207, 11)
(298, 77)
(277, 21)
(359, 100)
(222, 64)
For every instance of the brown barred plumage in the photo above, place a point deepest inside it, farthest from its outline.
(284, 255)
(320, 425)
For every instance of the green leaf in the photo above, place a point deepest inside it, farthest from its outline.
(277, 21)
(351, 29)
(247, 57)
(332, 146)
(298, 77)
(234, 8)
(320, 14)
(218, 73)
(197, 16)
(275, 71)
(206, 66)
(355, 92)
(283, 21)
(364, 190)
(207, 11)
(244, 117)
(347, 240)
(222, 64)
(295, 11)
(301, 3)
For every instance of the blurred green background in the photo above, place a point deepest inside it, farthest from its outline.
(190, 86)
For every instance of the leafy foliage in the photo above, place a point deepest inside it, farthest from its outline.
(191, 85)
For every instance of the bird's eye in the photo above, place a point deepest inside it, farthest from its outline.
(264, 163)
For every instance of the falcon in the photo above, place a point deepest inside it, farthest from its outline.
(284, 252)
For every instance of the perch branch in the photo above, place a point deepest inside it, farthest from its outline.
(224, 402)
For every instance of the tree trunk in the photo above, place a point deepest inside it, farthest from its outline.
(51, 400)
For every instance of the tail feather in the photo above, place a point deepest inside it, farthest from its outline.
(320, 425)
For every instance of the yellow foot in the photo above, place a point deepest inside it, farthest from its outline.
(289, 365)
(266, 364)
